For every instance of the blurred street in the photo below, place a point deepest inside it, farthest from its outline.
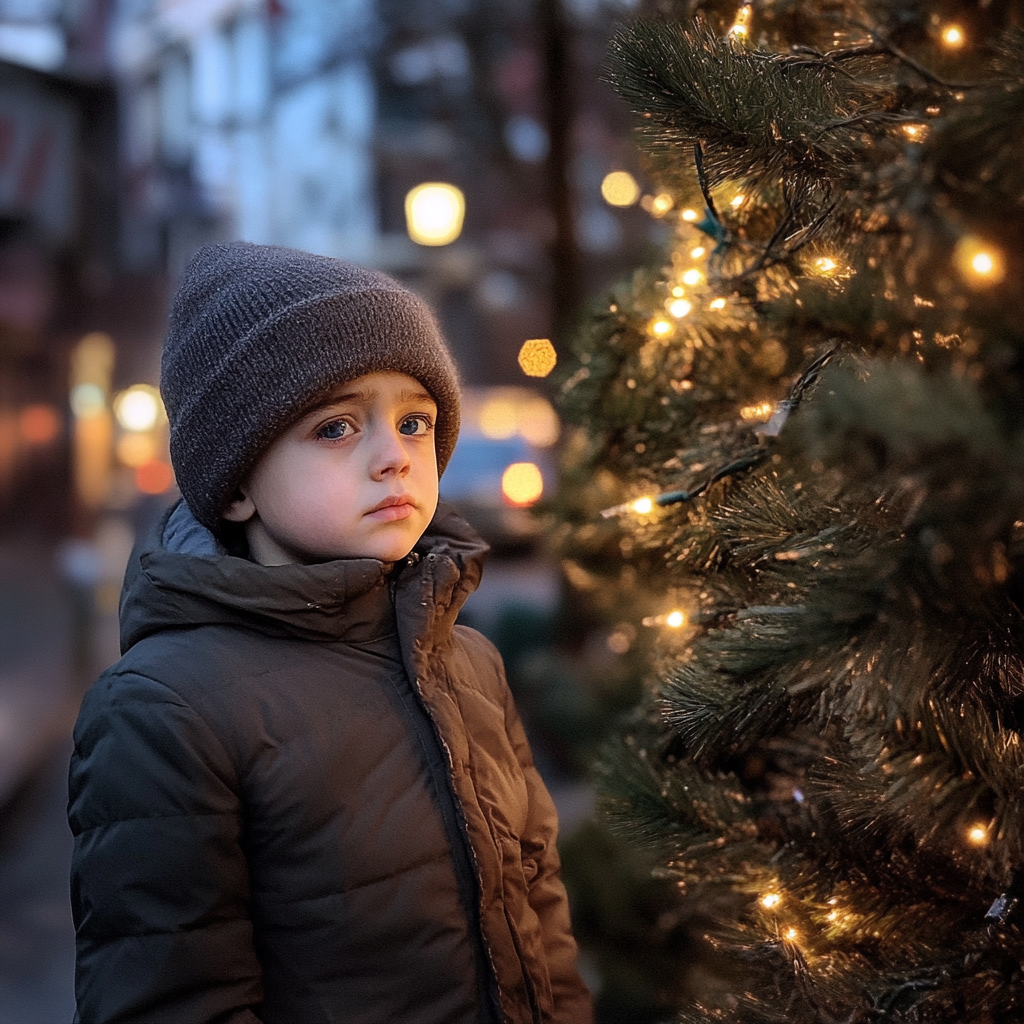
(42, 662)
(37, 941)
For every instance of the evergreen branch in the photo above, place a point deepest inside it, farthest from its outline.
(884, 47)
(750, 458)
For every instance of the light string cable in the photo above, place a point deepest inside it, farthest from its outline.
(749, 459)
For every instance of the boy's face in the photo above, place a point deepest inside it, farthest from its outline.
(354, 478)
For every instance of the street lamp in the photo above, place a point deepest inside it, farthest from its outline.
(434, 212)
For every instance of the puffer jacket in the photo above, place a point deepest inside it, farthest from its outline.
(304, 795)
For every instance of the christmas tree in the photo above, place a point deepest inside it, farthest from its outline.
(794, 481)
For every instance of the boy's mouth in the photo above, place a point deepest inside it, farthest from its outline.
(395, 506)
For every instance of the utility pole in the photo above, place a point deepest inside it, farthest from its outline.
(560, 119)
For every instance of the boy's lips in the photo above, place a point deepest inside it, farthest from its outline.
(395, 506)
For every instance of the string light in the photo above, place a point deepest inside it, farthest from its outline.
(770, 899)
(829, 266)
(689, 215)
(661, 204)
(642, 505)
(737, 201)
(678, 292)
(977, 835)
(915, 132)
(953, 36)
(791, 935)
(698, 252)
(679, 308)
(674, 619)
(692, 277)
(760, 412)
(717, 304)
(980, 264)
(661, 328)
(740, 28)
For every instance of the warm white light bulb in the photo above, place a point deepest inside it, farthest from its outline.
(953, 36)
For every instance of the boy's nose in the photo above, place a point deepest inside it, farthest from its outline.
(390, 455)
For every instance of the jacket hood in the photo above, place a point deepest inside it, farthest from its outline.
(179, 576)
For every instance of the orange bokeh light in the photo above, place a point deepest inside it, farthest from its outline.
(38, 424)
(537, 357)
(154, 477)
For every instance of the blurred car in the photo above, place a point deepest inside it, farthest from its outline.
(503, 464)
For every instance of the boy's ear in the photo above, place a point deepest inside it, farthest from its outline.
(241, 509)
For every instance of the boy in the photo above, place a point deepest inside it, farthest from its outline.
(303, 794)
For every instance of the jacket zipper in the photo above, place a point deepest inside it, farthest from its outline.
(439, 769)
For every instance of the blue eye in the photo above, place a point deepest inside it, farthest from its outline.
(333, 431)
(414, 425)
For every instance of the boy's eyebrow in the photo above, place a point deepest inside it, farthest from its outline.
(371, 394)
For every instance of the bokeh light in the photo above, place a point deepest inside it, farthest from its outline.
(522, 483)
(38, 424)
(980, 263)
(154, 477)
(619, 188)
(434, 212)
(138, 407)
(537, 357)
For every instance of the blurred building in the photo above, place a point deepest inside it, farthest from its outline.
(58, 183)
(306, 122)
(134, 131)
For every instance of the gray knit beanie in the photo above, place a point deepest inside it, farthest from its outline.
(259, 334)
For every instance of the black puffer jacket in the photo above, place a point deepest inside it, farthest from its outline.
(303, 795)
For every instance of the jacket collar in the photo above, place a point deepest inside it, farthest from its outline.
(180, 577)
